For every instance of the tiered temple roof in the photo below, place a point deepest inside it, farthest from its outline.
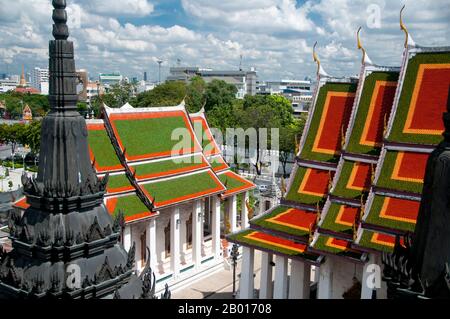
(415, 127)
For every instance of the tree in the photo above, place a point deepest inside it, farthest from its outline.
(33, 136)
(288, 137)
(195, 94)
(166, 94)
(218, 93)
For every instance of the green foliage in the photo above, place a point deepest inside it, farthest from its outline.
(25, 134)
(219, 94)
(15, 102)
(195, 94)
(166, 94)
(288, 136)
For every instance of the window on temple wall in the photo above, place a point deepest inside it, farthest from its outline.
(189, 233)
(167, 240)
(143, 248)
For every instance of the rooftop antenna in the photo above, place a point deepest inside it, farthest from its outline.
(178, 62)
(240, 63)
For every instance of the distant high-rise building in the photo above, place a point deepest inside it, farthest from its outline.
(39, 80)
(145, 77)
(108, 79)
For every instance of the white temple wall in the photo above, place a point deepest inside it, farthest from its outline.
(343, 274)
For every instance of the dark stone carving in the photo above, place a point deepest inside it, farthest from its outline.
(67, 223)
(420, 266)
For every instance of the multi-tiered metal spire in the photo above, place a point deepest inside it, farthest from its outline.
(66, 244)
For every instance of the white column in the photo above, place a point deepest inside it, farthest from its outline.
(127, 237)
(246, 284)
(232, 213)
(197, 233)
(215, 223)
(266, 285)
(175, 241)
(325, 285)
(151, 238)
(244, 214)
(299, 284)
(280, 285)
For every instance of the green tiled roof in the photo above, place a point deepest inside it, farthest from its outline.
(169, 191)
(118, 181)
(102, 149)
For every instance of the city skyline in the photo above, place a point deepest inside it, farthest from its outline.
(274, 36)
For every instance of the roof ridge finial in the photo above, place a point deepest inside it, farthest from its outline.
(320, 70)
(365, 57)
(60, 29)
(408, 38)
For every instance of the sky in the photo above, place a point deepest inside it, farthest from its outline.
(273, 36)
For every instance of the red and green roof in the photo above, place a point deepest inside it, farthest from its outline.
(354, 179)
(292, 221)
(339, 247)
(182, 188)
(170, 134)
(168, 167)
(403, 171)
(372, 113)
(234, 183)
(131, 206)
(376, 241)
(392, 213)
(328, 121)
(309, 185)
(101, 149)
(423, 100)
(340, 218)
(273, 243)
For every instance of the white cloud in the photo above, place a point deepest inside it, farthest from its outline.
(275, 36)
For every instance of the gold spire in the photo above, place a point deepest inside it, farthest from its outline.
(23, 82)
(316, 58)
(403, 27)
(360, 47)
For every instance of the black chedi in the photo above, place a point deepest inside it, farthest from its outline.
(66, 245)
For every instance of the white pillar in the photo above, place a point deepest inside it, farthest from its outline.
(299, 284)
(215, 223)
(197, 233)
(280, 285)
(151, 238)
(175, 241)
(244, 214)
(246, 284)
(127, 237)
(232, 213)
(325, 285)
(266, 285)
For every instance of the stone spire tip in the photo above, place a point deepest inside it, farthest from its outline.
(60, 29)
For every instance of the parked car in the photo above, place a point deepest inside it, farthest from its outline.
(263, 188)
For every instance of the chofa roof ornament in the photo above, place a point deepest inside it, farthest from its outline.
(320, 70)
(408, 39)
(365, 58)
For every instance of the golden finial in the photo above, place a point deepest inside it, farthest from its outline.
(283, 187)
(318, 213)
(311, 235)
(355, 232)
(342, 137)
(297, 145)
(360, 47)
(385, 125)
(403, 27)
(372, 177)
(251, 211)
(363, 208)
(316, 58)
(330, 181)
